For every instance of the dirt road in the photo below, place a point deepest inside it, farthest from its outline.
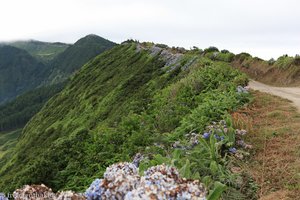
(290, 93)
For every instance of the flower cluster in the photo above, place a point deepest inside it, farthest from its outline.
(34, 192)
(42, 192)
(219, 130)
(118, 180)
(164, 182)
(121, 181)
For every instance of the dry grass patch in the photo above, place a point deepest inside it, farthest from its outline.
(274, 132)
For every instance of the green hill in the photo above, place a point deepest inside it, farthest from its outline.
(19, 72)
(132, 98)
(77, 55)
(43, 51)
(16, 113)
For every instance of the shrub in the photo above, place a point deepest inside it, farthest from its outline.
(284, 61)
(296, 60)
(271, 61)
(211, 49)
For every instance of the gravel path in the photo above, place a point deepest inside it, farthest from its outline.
(290, 93)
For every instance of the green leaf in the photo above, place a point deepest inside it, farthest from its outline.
(216, 193)
(214, 168)
(185, 171)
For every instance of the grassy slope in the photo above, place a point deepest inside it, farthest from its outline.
(43, 51)
(19, 72)
(275, 135)
(84, 95)
(76, 55)
(285, 71)
(116, 105)
(8, 141)
(16, 113)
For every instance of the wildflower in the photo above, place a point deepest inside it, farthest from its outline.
(232, 150)
(206, 135)
(217, 137)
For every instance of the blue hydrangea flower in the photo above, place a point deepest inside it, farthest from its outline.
(95, 191)
(206, 135)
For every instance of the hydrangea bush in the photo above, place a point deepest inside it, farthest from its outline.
(121, 181)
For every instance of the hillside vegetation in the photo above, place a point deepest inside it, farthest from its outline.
(43, 51)
(8, 140)
(66, 63)
(284, 71)
(16, 113)
(19, 72)
(134, 98)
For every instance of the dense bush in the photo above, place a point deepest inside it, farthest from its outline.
(211, 49)
(284, 61)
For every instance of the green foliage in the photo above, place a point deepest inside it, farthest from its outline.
(7, 142)
(216, 193)
(211, 49)
(226, 57)
(124, 102)
(242, 57)
(76, 55)
(16, 114)
(19, 72)
(43, 51)
(223, 55)
(284, 62)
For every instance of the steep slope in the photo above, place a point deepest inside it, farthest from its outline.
(124, 101)
(77, 55)
(8, 141)
(285, 71)
(19, 72)
(43, 51)
(16, 113)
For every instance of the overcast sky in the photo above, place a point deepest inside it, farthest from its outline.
(264, 28)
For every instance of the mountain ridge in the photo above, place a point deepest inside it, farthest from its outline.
(116, 105)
